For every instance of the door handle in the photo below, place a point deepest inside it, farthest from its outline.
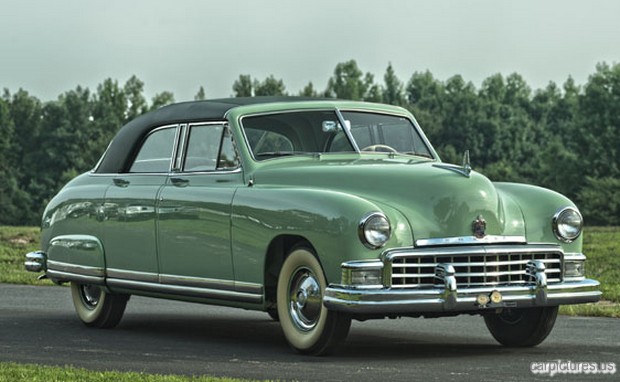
(179, 182)
(120, 182)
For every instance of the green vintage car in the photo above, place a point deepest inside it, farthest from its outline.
(316, 212)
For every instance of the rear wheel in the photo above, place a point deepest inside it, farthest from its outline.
(307, 325)
(522, 327)
(95, 307)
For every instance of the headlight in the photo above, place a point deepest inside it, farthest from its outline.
(374, 230)
(567, 224)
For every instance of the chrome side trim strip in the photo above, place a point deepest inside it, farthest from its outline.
(132, 275)
(469, 240)
(186, 291)
(79, 242)
(68, 276)
(74, 269)
(248, 288)
(197, 282)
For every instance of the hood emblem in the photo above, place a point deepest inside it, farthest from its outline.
(479, 227)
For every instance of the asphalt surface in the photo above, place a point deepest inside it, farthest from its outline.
(38, 325)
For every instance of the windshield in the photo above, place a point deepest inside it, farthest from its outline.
(318, 132)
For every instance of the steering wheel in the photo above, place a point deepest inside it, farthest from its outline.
(380, 148)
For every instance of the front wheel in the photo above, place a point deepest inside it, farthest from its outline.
(307, 325)
(95, 307)
(522, 327)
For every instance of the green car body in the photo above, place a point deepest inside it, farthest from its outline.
(223, 235)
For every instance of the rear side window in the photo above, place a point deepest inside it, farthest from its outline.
(155, 155)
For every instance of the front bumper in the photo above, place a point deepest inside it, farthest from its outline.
(452, 300)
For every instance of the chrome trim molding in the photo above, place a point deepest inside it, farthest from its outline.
(197, 282)
(60, 276)
(363, 264)
(248, 288)
(83, 270)
(80, 242)
(214, 294)
(184, 281)
(132, 275)
(469, 240)
(475, 250)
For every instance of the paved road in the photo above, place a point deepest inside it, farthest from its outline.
(38, 325)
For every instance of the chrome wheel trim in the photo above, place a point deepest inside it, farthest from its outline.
(90, 295)
(304, 299)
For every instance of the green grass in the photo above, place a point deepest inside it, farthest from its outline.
(15, 242)
(12, 372)
(601, 246)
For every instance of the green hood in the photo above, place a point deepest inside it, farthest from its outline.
(438, 202)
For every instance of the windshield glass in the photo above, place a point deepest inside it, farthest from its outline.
(312, 132)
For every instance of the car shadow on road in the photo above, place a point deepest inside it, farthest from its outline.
(249, 336)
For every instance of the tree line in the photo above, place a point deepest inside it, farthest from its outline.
(565, 137)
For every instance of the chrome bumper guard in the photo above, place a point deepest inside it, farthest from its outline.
(446, 297)
(36, 262)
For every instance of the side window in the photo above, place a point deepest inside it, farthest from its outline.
(155, 154)
(209, 148)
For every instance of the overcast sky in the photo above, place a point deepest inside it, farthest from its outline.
(48, 47)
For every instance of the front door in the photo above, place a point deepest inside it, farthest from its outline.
(194, 211)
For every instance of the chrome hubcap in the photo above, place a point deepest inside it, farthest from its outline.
(305, 299)
(90, 295)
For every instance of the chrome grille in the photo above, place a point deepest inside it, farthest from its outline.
(474, 266)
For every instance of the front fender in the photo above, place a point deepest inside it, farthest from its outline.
(329, 220)
(538, 206)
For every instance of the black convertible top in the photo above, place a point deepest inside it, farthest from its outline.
(126, 141)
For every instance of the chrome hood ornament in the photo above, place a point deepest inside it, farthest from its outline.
(465, 170)
(466, 164)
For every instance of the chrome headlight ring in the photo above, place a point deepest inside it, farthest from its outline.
(567, 224)
(374, 230)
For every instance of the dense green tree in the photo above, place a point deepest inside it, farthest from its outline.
(162, 99)
(566, 137)
(598, 131)
(393, 89)
(270, 86)
(600, 201)
(243, 87)
(200, 96)
(133, 90)
(373, 93)
(347, 82)
(308, 91)
(13, 201)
